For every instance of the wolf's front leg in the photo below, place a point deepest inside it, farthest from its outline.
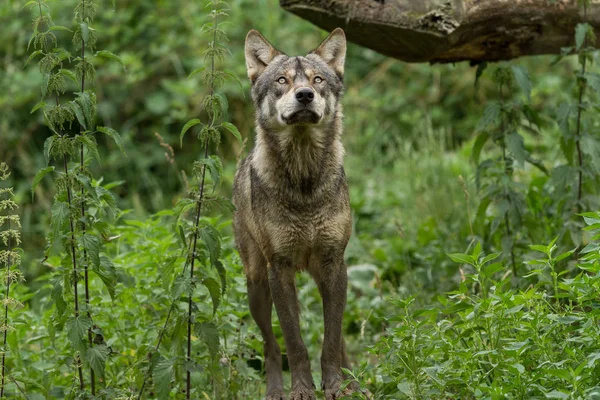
(333, 282)
(282, 277)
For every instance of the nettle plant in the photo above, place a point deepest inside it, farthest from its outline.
(503, 122)
(487, 340)
(199, 234)
(578, 142)
(10, 259)
(82, 206)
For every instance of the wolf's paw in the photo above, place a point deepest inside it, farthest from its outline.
(276, 395)
(347, 392)
(302, 394)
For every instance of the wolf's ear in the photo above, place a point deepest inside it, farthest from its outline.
(259, 54)
(333, 50)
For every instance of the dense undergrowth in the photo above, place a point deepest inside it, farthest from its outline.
(474, 265)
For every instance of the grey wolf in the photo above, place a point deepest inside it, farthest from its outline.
(293, 208)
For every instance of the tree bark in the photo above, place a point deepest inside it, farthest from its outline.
(442, 31)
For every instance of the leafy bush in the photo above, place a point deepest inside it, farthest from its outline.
(487, 340)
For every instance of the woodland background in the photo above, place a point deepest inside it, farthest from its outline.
(441, 159)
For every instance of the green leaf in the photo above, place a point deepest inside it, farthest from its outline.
(38, 106)
(212, 240)
(182, 284)
(220, 201)
(565, 255)
(106, 272)
(69, 74)
(222, 275)
(555, 394)
(110, 56)
(92, 246)
(58, 297)
(76, 108)
(478, 146)
(84, 107)
(85, 33)
(523, 81)
(89, 143)
(590, 146)
(580, 33)
(183, 206)
(490, 257)
(214, 289)
(232, 128)
(77, 332)
(59, 213)
(214, 166)
(539, 164)
(186, 127)
(462, 258)
(45, 83)
(38, 178)
(32, 56)
(196, 71)
(540, 248)
(210, 335)
(114, 135)
(593, 81)
(162, 376)
(97, 356)
(182, 235)
(491, 116)
(32, 3)
(60, 28)
(516, 145)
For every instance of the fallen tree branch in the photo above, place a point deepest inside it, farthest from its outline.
(441, 31)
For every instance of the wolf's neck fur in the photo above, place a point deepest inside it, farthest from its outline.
(300, 157)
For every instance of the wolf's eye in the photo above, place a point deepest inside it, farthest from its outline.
(282, 80)
(318, 79)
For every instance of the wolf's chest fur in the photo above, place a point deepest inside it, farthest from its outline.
(297, 193)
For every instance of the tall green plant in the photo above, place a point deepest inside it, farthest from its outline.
(10, 259)
(79, 232)
(578, 143)
(502, 122)
(199, 235)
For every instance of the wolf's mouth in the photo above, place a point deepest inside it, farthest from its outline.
(304, 116)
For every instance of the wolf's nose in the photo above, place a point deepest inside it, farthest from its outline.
(305, 96)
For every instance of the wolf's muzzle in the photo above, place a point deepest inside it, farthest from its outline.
(305, 95)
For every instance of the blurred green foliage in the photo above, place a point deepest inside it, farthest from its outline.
(391, 106)
(409, 135)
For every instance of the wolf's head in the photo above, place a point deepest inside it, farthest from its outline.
(289, 91)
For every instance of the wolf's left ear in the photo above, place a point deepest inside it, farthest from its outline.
(259, 54)
(333, 50)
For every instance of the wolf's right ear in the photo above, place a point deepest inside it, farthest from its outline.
(259, 54)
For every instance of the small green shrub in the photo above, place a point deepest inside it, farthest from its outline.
(486, 340)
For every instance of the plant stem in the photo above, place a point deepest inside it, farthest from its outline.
(578, 128)
(9, 261)
(83, 224)
(507, 196)
(195, 241)
(74, 260)
(198, 212)
(162, 331)
(73, 252)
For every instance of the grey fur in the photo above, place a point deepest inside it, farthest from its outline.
(293, 207)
